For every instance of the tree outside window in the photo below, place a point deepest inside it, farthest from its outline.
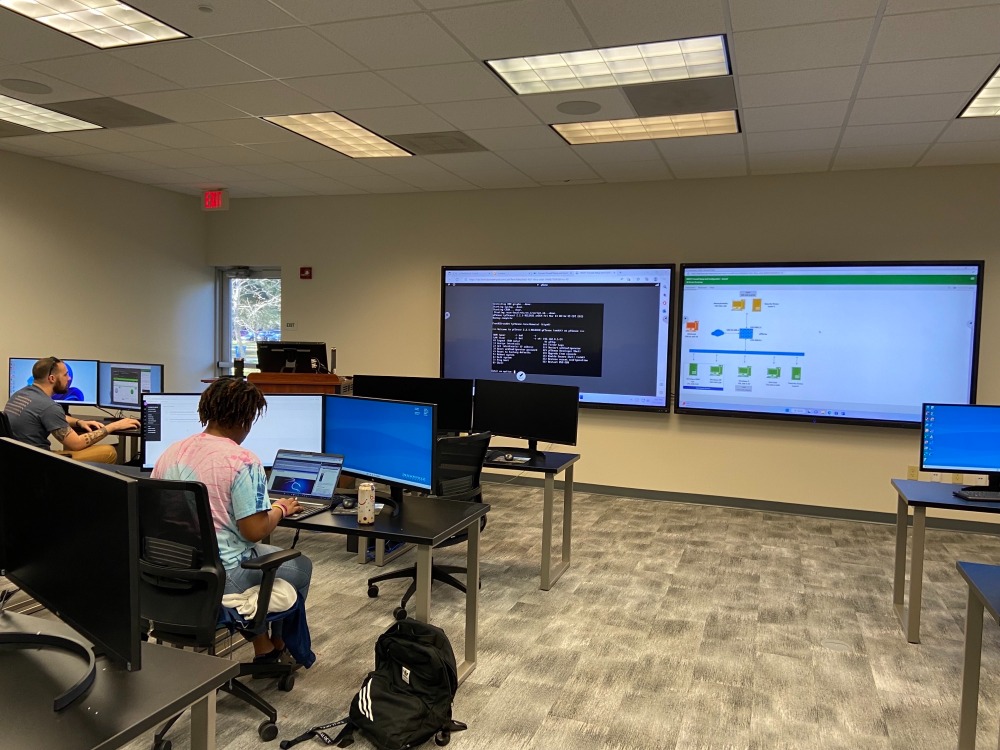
(254, 312)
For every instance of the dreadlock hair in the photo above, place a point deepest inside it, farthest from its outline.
(231, 402)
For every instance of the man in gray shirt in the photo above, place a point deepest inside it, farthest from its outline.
(34, 416)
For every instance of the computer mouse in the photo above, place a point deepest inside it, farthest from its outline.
(349, 502)
(508, 456)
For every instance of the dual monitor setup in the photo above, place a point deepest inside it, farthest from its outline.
(109, 385)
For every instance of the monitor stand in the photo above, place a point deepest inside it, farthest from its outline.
(36, 640)
(520, 455)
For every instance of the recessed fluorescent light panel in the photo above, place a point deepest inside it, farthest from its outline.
(340, 134)
(616, 66)
(987, 102)
(649, 128)
(22, 113)
(102, 23)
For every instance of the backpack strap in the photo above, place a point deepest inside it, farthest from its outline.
(318, 731)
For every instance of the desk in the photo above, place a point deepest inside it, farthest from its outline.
(920, 496)
(425, 522)
(119, 707)
(984, 591)
(550, 464)
(130, 438)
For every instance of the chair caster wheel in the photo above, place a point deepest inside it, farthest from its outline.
(399, 613)
(286, 682)
(372, 591)
(442, 738)
(267, 730)
(162, 745)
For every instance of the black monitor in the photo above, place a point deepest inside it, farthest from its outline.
(120, 385)
(69, 538)
(83, 379)
(962, 438)
(385, 441)
(531, 411)
(292, 356)
(605, 329)
(453, 396)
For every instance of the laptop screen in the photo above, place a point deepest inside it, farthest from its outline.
(311, 476)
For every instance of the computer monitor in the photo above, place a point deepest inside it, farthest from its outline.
(453, 396)
(535, 412)
(83, 379)
(292, 421)
(962, 438)
(291, 356)
(386, 441)
(69, 538)
(120, 385)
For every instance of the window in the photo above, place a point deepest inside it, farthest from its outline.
(249, 311)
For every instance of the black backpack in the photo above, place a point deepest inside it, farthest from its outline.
(407, 698)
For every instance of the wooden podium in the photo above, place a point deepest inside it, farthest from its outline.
(295, 382)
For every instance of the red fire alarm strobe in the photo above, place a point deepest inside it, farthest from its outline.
(305, 272)
(215, 200)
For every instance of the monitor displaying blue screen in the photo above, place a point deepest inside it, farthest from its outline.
(121, 384)
(388, 441)
(961, 438)
(83, 379)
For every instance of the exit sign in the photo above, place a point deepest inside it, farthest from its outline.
(215, 200)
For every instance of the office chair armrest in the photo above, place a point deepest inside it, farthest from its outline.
(271, 560)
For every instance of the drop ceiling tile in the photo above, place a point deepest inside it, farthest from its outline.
(881, 157)
(220, 173)
(22, 40)
(235, 191)
(344, 169)
(382, 183)
(7, 145)
(174, 135)
(109, 140)
(521, 27)
(104, 74)
(184, 189)
(236, 156)
(390, 120)
(972, 129)
(104, 162)
(793, 116)
(154, 176)
(227, 16)
(941, 76)
(918, 36)
(287, 53)
(262, 98)
(797, 87)
(62, 91)
(513, 139)
(892, 135)
(49, 145)
(893, 7)
(719, 165)
(275, 189)
(421, 173)
(311, 11)
(245, 131)
(923, 108)
(483, 169)
(598, 154)
(489, 113)
(324, 186)
(980, 152)
(793, 48)
(182, 106)
(281, 172)
(612, 102)
(174, 158)
(438, 4)
(793, 140)
(766, 14)
(395, 41)
(189, 62)
(550, 164)
(301, 149)
(350, 91)
(645, 20)
(790, 162)
(448, 83)
(699, 147)
(634, 171)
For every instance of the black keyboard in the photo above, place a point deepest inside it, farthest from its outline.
(987, 495)
(309, 509)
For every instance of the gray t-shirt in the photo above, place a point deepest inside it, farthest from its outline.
(33, 415)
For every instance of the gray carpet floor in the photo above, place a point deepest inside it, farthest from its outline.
(677, 627)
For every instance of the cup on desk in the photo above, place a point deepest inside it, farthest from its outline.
(366, 502)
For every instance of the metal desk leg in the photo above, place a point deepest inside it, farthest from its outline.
(203, 723)
(423, 592)
(551, 574)
(471, 603)
(970, 673)
(909, 616)
(567, 515)
(120, 456)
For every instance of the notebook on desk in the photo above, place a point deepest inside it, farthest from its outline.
(310, 478)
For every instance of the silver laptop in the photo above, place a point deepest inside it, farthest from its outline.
(310, 478)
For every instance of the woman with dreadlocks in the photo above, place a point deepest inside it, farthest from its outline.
(236, 483)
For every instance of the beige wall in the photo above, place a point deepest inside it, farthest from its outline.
(96, 267)
(375, 295)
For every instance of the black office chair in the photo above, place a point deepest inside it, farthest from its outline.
(459, 466)
(181, 583)
(5, 430)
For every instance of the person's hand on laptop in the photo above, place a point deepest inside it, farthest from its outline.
(289, 506)
(123, 424)
(87, 425)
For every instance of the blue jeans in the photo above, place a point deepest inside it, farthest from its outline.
(297, 572)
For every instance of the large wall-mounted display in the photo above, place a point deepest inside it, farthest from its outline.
(861, 343)
(604, 329)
